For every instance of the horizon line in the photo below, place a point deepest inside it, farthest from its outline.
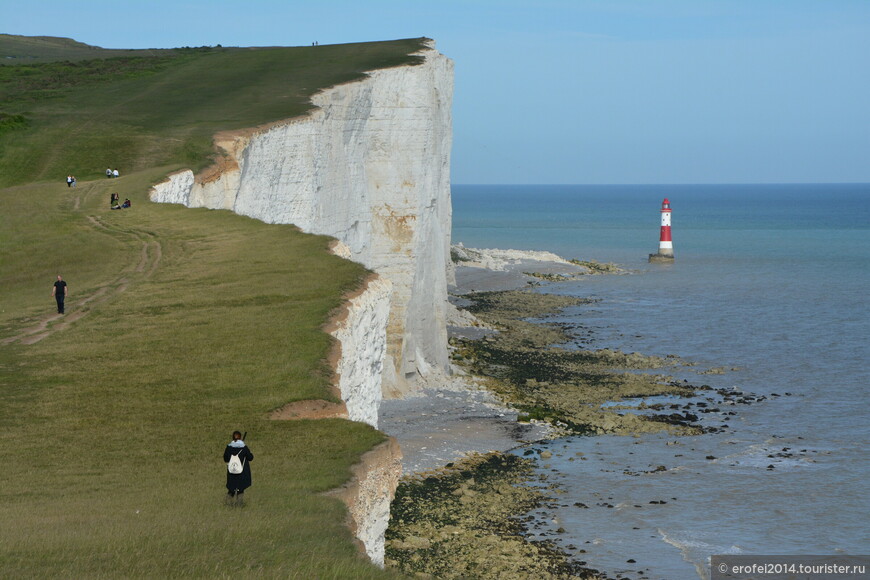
(675, 184)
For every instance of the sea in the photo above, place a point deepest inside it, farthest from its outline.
(770, 289)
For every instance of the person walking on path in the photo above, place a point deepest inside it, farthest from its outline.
(109, 172)
(237, 483)
(59, 291)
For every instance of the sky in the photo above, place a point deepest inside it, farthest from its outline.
(574, 91)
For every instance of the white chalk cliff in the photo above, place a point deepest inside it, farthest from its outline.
(369, 166)
(361, 334)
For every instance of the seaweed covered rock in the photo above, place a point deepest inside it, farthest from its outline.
(463, 522)
(531, 366)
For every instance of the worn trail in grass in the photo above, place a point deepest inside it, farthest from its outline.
(143, 266)
(182, 325)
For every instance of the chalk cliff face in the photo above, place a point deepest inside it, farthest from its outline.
(368, 496)
(361, 334)
(370, 166)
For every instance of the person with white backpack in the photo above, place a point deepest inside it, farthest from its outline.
(238, 458)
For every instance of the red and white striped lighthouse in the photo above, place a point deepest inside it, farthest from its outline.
(666, 246)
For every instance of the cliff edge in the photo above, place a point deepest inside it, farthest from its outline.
(369, 166)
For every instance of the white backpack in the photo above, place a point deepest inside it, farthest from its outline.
(235, 465)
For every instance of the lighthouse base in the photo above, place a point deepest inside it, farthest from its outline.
(661, 258)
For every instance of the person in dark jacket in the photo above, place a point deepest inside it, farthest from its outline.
(59, 292)
(237, 483)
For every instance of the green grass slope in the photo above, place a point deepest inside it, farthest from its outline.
(136, 112)
(16, 49)
(181, 326)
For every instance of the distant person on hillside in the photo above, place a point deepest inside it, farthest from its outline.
(59, 291)
(114, 200)
(109, 172)
(126, 203)
(237, 483)
(115, 173)
(73, 181)
(69, 180)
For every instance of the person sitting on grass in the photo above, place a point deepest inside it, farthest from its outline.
(126, 203)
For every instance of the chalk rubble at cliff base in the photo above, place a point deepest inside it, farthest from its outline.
(460, 522)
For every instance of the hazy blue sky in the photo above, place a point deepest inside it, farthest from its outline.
(574, 91)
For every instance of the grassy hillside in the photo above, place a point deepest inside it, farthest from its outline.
(136, 112)
(181, 326)
(15, 49)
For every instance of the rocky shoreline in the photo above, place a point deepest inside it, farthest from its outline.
(460, 522)
(528, 365)
(518, 380)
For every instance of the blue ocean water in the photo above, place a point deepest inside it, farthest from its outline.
(769, 280)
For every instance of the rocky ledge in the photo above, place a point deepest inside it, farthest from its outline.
(459, 522)
(531, 366)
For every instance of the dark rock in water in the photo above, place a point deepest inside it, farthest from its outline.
(581, 505)
(631, 561)
(771, 466)
(711, 457)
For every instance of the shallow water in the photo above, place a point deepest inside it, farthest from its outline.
(768, 279)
